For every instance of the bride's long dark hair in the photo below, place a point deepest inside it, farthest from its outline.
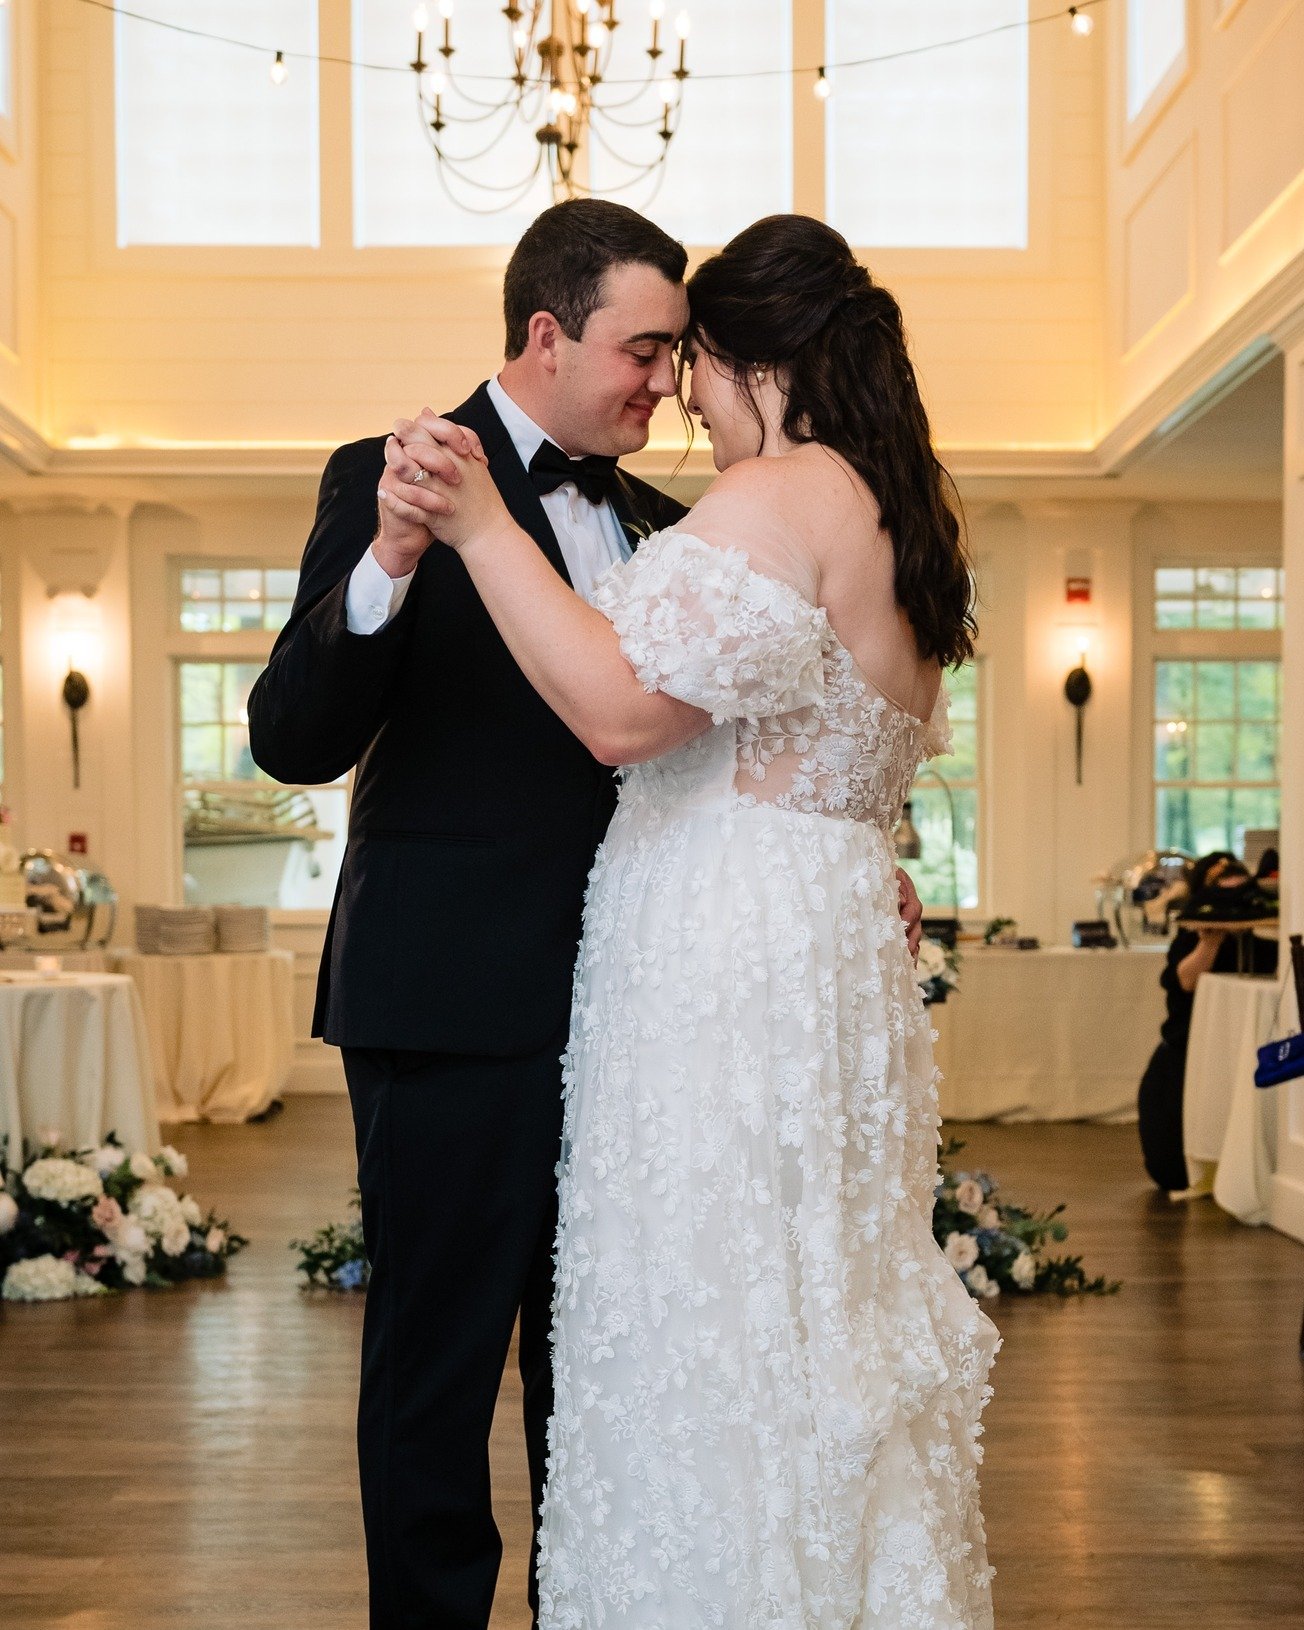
(788, 293)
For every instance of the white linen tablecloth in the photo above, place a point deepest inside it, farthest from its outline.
(74, 1055)
(1057, 1034)
(221, 1030)
(1226, 1120)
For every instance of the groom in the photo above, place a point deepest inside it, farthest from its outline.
(446, 973)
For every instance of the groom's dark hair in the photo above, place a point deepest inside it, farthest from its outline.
(560, 263)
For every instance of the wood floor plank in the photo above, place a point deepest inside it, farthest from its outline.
(184, 1460)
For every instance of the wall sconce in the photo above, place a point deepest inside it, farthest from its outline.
(76, 639)
(1077, 688)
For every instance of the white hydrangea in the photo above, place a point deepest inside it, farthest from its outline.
(107, 1158)
(190, 1211)
(62, 1181)
(8, 1213)
(175, 1163)
(961, 1251)
(1023, 1270)
(158, 1210)
(46, 1279)
(143, 1167)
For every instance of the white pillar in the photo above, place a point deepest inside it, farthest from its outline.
(1287, 1212)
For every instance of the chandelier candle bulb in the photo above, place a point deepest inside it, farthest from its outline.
(421, 19)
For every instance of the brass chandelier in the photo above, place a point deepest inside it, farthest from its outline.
(557, 78)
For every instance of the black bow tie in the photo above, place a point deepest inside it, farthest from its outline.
(595, 475)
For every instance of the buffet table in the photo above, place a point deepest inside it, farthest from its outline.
(220, 1028)
(1049, 1035)
(1227, 1121)
(74, 1058)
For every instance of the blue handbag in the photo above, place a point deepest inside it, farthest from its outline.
(1283, 1060)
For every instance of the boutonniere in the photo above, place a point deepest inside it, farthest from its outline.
(635, 523)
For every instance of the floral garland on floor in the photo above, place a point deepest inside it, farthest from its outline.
(86, 1222)
(335, 1256)
(996, 1246)
(991, 1244)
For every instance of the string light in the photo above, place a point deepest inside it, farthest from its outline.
(280, 73)
(822, 87)
(1079, 21)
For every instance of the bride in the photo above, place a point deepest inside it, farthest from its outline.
(768, 1378)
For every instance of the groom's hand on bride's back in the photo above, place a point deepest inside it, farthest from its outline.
(408, 508)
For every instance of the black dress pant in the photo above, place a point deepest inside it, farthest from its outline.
(1159, 1117)
(457, 1163)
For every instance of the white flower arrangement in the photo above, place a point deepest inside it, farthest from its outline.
(937, 970)
(73, 1223)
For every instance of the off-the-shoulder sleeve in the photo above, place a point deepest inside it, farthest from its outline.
(700, 623)
(938, 736)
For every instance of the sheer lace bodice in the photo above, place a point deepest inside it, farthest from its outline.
(795, 722)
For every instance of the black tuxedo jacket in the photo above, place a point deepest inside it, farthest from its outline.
(476, 813)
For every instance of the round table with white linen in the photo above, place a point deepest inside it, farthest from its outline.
(1227, 1121)
(74, 1057)
(221, 1030)
(1056, 1034)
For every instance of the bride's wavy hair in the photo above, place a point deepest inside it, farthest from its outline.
(788, 293)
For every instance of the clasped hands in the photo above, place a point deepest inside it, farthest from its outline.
(436, 486)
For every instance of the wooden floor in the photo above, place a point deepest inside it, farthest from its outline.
(184, 1460)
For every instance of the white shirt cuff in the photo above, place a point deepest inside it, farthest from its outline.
(373, 597)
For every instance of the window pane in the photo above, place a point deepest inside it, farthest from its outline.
(1172, 754)
(1156, 37)
(201, 752)
(1258, 613)
(1256, 752)
(739, 128)
(1175, 580)
(1215, 689)
(199, 585)
(293, 871)
(963, 687)
(209, 150)
(932, 872)
(928, 151)
(276, 614)
(1257, 684)
(398, 197)
(201, 692)
(1215, 614)
(237, 681)
(1174, 689)
(280, 585)
(1174, 614)
(962, 764)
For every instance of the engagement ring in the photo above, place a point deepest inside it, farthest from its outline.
(418, 477)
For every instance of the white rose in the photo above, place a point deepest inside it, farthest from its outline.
(989, 1217)
(190, 1211)
(8, 1213)
(107, 1158)
(142, 1166)
(214, 1240)
(39, 1279)
(62, 1181)
(1024, 1270)
(133, 1269)
(176, 1237)
(981, 1283)
(129, 1239)
(969, 1196)
(931, 963)
(961, 1251)
(175, 1163)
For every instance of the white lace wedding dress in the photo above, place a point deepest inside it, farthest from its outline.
(768, 1378)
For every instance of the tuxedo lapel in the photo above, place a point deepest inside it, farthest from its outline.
(629, 512)
(510, 475)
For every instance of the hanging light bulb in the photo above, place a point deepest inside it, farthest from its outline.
(1080, 22)
(823, 89)
(683, 25)
(668, 92)
(280, 73)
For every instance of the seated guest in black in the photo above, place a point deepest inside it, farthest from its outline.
(446, 974)
(1193, 951)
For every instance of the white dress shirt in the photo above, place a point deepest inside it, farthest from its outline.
(590, 535)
